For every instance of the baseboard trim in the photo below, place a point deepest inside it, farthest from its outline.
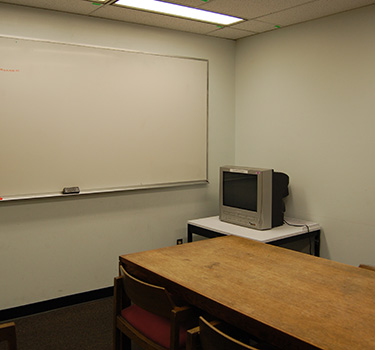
(48, 305)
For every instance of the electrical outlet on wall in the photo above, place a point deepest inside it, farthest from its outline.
(180, 241)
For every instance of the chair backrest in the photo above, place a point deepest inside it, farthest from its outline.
(147, 296)
(146, 314)
(211, 338)
(8, 334)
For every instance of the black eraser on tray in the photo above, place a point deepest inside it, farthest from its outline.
(71, 190)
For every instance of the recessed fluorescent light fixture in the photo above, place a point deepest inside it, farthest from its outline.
(179, 11)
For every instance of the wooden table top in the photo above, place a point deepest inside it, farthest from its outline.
(290, 299)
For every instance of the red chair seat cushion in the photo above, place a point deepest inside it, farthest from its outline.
(152, 326)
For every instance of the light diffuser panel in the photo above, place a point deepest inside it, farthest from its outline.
(179, 11)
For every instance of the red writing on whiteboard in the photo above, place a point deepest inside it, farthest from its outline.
(9, 70)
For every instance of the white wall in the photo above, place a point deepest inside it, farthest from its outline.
(305, 105)
(55, 247)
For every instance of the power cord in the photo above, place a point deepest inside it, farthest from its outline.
(308, 231)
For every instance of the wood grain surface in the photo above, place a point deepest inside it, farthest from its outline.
(290, 299)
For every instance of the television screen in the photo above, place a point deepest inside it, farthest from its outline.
(234, 187)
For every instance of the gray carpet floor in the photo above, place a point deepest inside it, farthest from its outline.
(86, 326)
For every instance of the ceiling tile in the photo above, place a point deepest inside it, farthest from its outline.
(230, 33)
(251, 8)
(313, 10)
(255, 26)
(70, 6)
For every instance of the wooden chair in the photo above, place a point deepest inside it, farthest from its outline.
(8, 334)
(146, 314)
(367, 267)
(208, 337)
(216, 335)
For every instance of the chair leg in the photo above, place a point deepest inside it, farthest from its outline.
(121, 341)
(116, 339)
(125, 342)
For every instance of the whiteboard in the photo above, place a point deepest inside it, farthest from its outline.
(102, 119)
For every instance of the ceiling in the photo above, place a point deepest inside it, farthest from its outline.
(259, 15)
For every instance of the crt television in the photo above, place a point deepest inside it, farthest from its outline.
(252, 197)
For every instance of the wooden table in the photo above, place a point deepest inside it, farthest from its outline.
(290, 299)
